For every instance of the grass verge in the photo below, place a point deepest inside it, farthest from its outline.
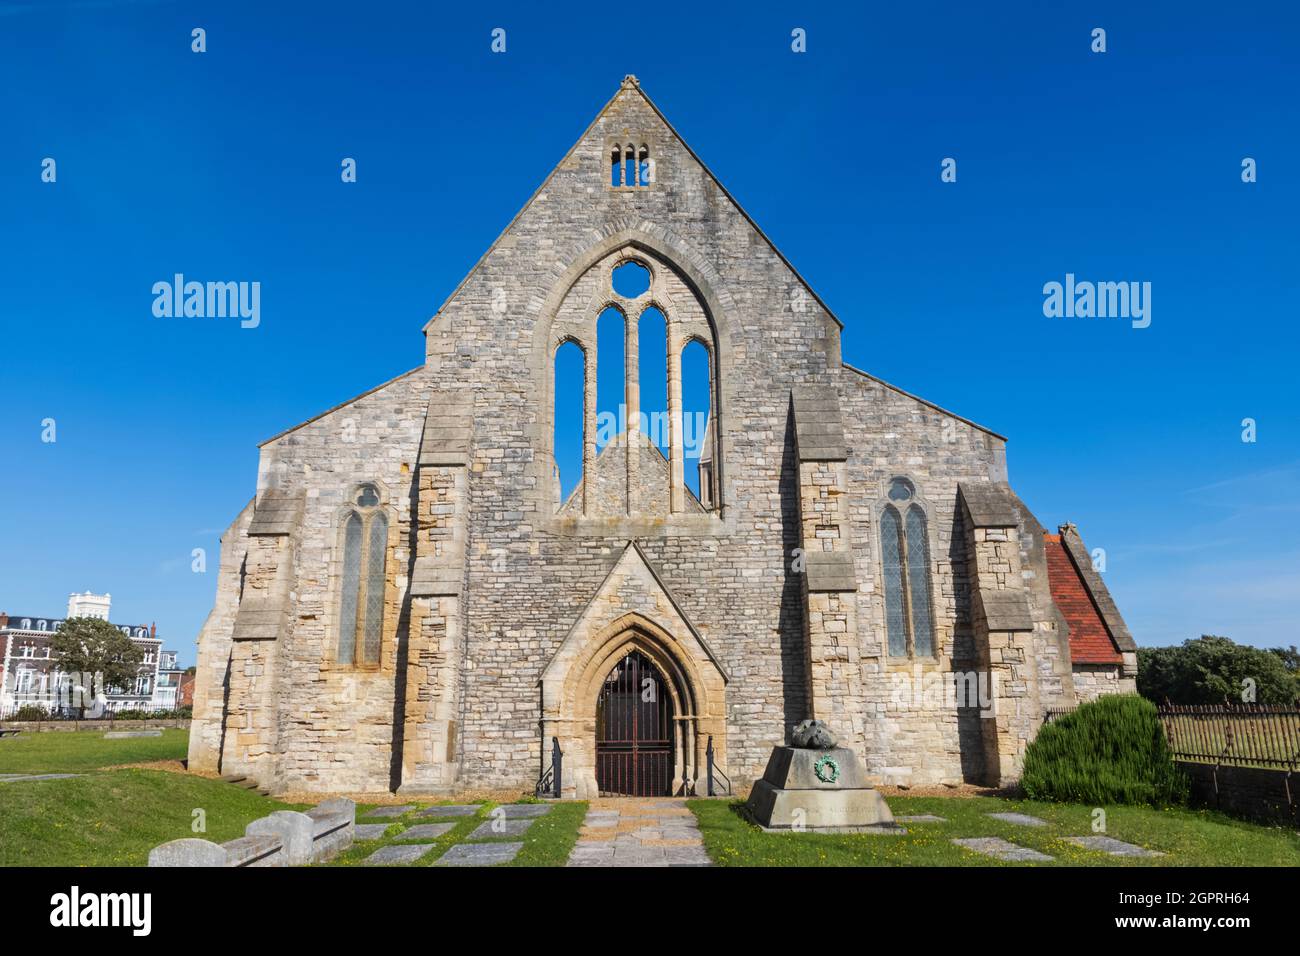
(115, 817)
(1186, 837)
(77, 751)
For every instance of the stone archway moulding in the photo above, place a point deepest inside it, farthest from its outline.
(572, 681)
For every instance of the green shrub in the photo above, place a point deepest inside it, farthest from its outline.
(1112, 750)
(31, 712)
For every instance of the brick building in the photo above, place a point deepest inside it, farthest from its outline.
(413, 600)
(31, 678)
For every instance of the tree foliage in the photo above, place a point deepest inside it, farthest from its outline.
(97, 650)
(1215, 670)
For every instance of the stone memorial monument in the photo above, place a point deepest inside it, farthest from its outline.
(815, 785)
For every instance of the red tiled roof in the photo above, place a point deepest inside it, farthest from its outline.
(1090, 641)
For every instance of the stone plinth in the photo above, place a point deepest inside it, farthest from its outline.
(792, 795)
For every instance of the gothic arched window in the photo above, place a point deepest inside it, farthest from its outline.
(905, 560)
(361, 603)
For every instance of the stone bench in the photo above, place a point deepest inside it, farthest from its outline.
(283, 838)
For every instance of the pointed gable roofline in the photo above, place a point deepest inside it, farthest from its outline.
(630, 82)
(927, 403)
(634, 546)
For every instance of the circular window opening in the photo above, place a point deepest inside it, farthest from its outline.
(900, 489)
(631, 279)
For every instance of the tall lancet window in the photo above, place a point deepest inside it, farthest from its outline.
(905, 561)
(361, 603)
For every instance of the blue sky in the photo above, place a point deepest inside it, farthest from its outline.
(1116, 166)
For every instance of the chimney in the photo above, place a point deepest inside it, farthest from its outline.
(153, 630)
(4, 620)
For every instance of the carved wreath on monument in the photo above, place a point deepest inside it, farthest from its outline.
(826, 769)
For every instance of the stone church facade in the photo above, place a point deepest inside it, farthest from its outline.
(408, 603)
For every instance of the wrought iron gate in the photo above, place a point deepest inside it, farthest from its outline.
(634, 731)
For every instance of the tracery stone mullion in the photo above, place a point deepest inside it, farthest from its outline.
(588, 420)
(632, 400)
(676, 455)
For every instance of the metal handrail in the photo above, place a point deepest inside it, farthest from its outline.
(712, 769)
(551, 782)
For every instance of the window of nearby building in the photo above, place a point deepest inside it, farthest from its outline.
(905, 562)
(361, 606)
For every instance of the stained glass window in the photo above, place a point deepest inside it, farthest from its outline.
(905, 558)
(918, 581)
(374, 611)
(895, 614)
(361, 601)
(351, 588)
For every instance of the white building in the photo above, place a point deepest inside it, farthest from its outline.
(30, 678)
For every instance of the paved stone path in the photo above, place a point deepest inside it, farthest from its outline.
(1112, 846)
(452, 810)
(1002, 849)
(630, 832)
(425, 831)
(15, 777)
(1020, 819)
(396, 855)
(479, 854)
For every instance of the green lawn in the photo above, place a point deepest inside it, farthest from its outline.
(548, 841)
(115, 817)
(80, 750)
(1187, 837)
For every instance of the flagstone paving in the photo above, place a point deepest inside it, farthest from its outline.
(1002, 849)
(1020, 819)
(425, 831)
(1112, 846)
(396, 855)
(479, 854)
(451, 810)
(500, 826)
(631, 832)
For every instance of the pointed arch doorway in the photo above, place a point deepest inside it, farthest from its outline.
(635, 730)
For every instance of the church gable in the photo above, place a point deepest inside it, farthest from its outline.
(630, 170)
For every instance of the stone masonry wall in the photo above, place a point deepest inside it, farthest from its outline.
(531, 574)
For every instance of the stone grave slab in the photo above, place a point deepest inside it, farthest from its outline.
(425, 831)
(369, 831)
(1112, 846)
(389, 811)
(396, 855)
(500, 828)
(1002, 849)
(126, 734)
(522, 811)
(453, 810)
(922, 818)
(479, 854)
(1020, 819)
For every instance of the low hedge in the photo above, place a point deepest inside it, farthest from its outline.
(1110, 751)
